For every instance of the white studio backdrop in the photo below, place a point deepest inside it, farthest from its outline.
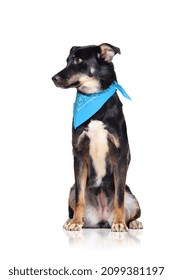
(36, 164)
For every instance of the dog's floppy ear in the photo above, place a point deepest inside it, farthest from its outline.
(108, 51)
(73, 49)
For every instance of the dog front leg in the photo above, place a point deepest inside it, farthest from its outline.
(80, 184)
(119, 209)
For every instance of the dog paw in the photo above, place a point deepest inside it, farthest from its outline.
(135, 225)
(73, 225)
(119, 227)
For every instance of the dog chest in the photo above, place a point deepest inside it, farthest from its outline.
(98, 148)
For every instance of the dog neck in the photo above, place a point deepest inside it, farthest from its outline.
(86, 105)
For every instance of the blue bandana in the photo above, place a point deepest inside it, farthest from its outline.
(86, 105)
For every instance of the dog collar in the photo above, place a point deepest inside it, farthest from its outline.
(86, 105)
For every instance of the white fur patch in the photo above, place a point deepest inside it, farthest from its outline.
(92, 69)
(130, 203)
(102, 212)
(91, 216)
(98, 148)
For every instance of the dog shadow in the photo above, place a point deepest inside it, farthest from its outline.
(103, 238)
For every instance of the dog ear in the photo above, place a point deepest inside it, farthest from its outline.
(108, 51)
(73, 49)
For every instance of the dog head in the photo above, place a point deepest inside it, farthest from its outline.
(89, 68)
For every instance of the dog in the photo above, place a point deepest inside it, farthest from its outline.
(99, 197)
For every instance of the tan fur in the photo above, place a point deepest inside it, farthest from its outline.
(119, 212)
(87, 84)
(78, 219)
(107, 52)
(114, 140)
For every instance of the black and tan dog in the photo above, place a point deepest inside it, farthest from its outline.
(100, 197)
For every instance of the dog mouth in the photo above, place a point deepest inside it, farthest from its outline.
(73, 85)
(65, 83)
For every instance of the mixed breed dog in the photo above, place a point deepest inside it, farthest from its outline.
(99, 197)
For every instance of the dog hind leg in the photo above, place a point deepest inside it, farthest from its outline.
(132, 210)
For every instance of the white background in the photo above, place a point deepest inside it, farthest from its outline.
(36, 165)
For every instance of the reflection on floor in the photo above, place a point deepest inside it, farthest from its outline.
(103, 238)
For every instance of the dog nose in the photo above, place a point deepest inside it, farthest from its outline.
(56, 79)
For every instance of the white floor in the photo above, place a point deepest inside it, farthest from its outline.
(43, 246)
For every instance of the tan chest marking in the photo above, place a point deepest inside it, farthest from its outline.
(98, 148)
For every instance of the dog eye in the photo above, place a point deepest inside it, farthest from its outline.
(77, 60)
